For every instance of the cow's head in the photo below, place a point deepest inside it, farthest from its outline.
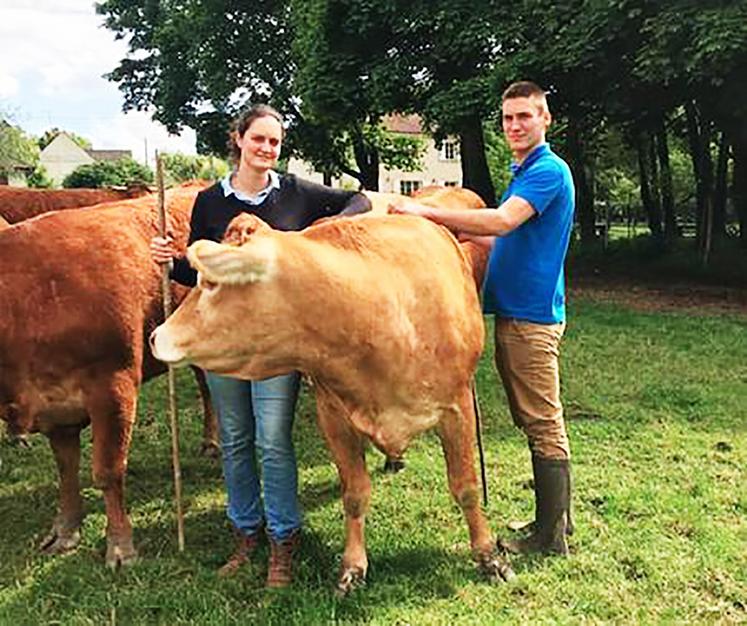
(232, 319)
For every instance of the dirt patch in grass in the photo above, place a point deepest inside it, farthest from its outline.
(673, 297)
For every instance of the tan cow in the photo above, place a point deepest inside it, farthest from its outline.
(443, 198)
(80, 294)
(381, 312)
(20, 203)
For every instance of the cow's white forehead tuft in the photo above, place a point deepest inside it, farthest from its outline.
(219, 263)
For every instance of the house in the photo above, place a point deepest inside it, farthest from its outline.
(62, 155)
(439, 166)
(16, 176)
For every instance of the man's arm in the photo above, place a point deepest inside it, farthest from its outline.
(491, 222)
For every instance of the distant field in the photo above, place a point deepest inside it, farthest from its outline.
(658, 420)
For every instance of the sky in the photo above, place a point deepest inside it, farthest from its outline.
(53, 54)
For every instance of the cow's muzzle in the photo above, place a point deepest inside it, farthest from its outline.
(163, 348)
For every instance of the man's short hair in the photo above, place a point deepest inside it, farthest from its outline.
(526, 89)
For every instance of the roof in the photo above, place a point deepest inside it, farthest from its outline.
(109, 155)
(406, 124)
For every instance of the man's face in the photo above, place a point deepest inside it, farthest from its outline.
(525, 121)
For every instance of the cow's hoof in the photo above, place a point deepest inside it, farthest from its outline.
(60, 540)
(495, 568)
(21, 441)
(210, 449)
(350, 579)
(120, 554)
(393, 465)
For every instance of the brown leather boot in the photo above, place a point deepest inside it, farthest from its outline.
(246, 545)
(552, 492)
(280, 569)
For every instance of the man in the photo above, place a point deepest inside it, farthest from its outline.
(524, 288)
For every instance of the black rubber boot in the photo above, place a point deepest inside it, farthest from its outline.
(552, 494)
(530, 526)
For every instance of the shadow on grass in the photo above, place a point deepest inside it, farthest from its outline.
(167, 585)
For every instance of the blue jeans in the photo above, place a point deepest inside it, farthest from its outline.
(258, 413)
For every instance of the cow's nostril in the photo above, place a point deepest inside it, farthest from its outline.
(152, 342)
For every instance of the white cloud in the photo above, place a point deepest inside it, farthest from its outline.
(132, 131)
(60, 51)
(8, 84)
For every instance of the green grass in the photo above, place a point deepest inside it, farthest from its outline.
(657, 407)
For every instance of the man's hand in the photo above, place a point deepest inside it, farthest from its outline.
(403, 206)
(485, 242)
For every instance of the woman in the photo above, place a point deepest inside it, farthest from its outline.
(258, 413)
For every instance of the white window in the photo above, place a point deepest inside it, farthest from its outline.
(408, 187)
(450, 151)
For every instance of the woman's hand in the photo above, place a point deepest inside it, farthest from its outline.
(162, 249)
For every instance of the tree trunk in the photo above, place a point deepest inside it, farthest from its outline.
(475, 171)
(720, 190)
(739, 188)
(699, 135)
(648, 192)
(665, 183)
(584, 191)
(327, 178)
(367, 160)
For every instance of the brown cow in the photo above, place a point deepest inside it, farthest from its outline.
(20, 203)
(80, 293)
(381, 312)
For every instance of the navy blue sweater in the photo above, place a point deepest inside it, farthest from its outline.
(294, 206)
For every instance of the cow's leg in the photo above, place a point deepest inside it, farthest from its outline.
(65, 532)
(209, 446)
(348, 452)
(456, 430)
(111, 406)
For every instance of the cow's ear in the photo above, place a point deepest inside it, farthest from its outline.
(221, 263)
(241, 228)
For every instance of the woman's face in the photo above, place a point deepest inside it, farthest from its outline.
(260, 145)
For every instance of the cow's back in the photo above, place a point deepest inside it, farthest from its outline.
(409, 287)
(80, 289)
(18, 204)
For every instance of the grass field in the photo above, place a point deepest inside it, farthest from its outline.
(657, 408)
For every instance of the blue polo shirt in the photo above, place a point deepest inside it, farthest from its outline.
(525, 278)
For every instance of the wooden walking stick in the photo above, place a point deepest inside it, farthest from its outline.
(166, 289)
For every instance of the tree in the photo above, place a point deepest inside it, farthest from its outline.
(182, 167)
(50, 134)
(121, 172)
(696, 53)
(39, 178)
(198, 63)
(16, 148)
(359, 60)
